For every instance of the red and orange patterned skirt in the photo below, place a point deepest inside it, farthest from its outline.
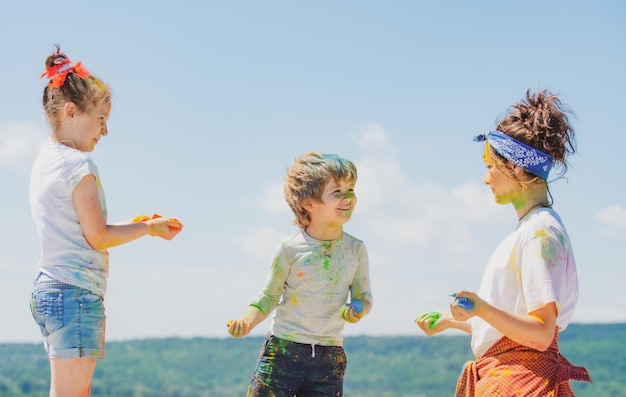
(509, 369)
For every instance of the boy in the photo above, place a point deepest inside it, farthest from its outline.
(312, 275)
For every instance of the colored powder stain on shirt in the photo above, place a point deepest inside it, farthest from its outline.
(276, 261)
(326, 264)
(549, 252)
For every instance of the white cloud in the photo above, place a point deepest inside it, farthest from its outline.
(614, 217)
(19, 143)
(373, 137)
(273, 200)
(260, 243)
(403, 213)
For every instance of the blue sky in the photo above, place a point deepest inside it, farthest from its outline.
(213, 101)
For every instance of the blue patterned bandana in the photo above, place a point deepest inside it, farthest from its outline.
(532, 160)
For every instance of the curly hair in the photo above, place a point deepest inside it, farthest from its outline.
(541, 121)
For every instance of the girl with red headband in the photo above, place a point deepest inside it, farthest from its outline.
(69, 210)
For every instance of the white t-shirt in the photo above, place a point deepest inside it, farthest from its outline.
(532, 267)
(65, 253)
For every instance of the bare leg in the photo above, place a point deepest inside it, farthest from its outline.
(71, 377)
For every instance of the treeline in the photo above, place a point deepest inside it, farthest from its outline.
(400, 366)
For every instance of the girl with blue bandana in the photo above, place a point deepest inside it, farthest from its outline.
(529, 289)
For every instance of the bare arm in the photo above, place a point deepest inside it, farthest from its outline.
(435, 322)
(102, 236)
(535, 330)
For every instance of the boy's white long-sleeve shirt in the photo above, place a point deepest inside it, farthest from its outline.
(308, 288)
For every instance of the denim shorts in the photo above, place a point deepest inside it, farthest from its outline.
(71, 319)
(288, 368)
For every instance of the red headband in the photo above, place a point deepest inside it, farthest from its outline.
(58, 72)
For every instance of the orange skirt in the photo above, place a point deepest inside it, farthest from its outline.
(509, 369)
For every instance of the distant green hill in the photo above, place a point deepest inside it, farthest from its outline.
(398, 366)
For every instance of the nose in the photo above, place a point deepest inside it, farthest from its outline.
(105, 130)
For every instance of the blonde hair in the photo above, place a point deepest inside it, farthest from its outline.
(84, 93)
(307, 178)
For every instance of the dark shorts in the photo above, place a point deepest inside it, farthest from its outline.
(71, 319)
(287, 369)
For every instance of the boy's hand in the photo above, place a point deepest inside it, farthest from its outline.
(238, 328)
(352, 312)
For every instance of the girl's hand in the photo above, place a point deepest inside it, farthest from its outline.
(238, 328)
(352, 313)
(433, 322)
(463, 312)
(166, 228)
(141, 218)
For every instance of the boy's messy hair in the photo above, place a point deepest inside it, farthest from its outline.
(307, 178)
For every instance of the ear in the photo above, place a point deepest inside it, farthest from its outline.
(69, 110)
(308, 205)
(521, 174)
